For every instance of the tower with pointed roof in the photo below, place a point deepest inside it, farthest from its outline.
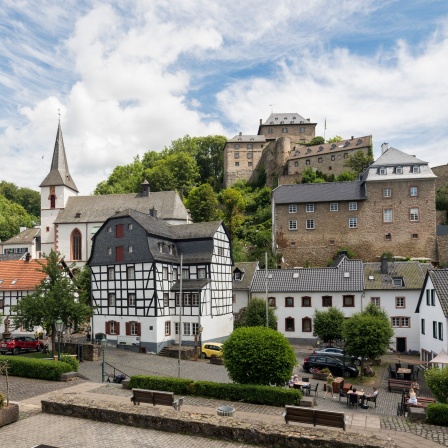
(56, 188)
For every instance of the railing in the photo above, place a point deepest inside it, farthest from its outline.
(114, 375)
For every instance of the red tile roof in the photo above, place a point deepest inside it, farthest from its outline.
(20, 275)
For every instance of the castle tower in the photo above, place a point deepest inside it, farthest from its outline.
(56, 188)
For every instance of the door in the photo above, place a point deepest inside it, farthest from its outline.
(401, 344)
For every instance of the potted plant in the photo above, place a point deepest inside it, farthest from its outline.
(320, 374)
(9, 413)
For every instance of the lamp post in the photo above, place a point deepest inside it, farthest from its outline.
(103, 367)
(59, 326)
(201, 329)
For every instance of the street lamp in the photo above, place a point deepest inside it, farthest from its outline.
(59, 326)
(201, 329)
(103, 346)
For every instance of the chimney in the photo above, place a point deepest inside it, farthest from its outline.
(261, 121)
(353, 137)
(384, 266)
(153, 212)
(145, 189)
(384, 147)
(27, 257)
(241, 133)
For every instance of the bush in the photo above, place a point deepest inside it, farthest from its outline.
(437, 414)
(2, 400)
(74, 363)
(437, 380)
(258, 355)
(266, 395)
(42, 369)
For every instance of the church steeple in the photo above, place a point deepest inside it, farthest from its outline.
(59, 173)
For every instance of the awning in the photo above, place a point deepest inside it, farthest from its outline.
(441, 358)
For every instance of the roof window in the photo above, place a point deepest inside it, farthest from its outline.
(333, 146)
(346, 144)
(359, 141)
(321, 148)
(399, 170)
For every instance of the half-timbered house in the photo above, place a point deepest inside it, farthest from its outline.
(141, 266)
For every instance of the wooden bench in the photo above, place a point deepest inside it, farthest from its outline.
(156, 397)
(398, 384)
(314, 417)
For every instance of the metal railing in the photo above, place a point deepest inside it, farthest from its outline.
(114, 374)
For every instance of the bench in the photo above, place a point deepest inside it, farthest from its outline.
(155, 397)
(314, 417)
(398, 384)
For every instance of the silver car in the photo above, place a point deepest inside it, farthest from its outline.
(337, 353)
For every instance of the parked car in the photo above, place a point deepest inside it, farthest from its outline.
(313, 363)
(339, 353)
(20, 344)
(211, 348)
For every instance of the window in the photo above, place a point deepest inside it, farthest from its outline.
(187, 299)
(130, 249)
(302, 130)
(249, 146)
(400, 302)
(194, 328)
(292, 208)
(440, 325)
(271, 301)
(375, 301)
(319, 159)
(334, 207)
(131, 299)
(292, 225)
(111, 299)
(309, 207)
(434, 330)
(327, 301)
(352, 223)
(52, 201)
(353, 206)
(382, 171)
(310, 224)
(186, 328)
(285, 130)
(111, 273)
(307, 161)
(76, 243)
(176, 327)
(306, 325)
(237, 274)
(397, 281)
(130, 273)
(109, 251)
(160, 247)
(333, 158)
(175, 274)
(185, 273)
(387, 192)
(195, 299)
(221, 251)
(413, 214)
(237, 163)
(413, 191)
(236, 145)
(306, 301)
(348, 300)
(296, 163)
(414, 236)
(236, 155)
(119, 253)
(166, 299)
(269, 130)
(165, 273)
(109, 229)
(133, 328)
(433, 300)
(387, 215)
(289, 301)
(415, 169)
(119, 230)
(289, 324)
(388, 236)
(331, 242)
(168, 328)
(400, 322)
(399, 170)
(130, 226)
(249, 155)
(201, 273)
(112, 327)
(423, 326)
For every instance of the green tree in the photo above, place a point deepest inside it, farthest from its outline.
(12, 217)
(368, 333)
(202, 203)
(335, 139)
(311, 176)
(358, 162)
(328, 324)
(234, 205)
(437, 380)
(150, 158)
(27, 198)
(254, 315)
(82, 282)
(258, 355)
(442, 198)
(318, 140)
(56, 297)
(346, 176)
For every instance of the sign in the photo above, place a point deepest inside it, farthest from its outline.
(128, 340)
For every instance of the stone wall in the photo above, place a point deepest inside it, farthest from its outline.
(442, 247)
(90, 352)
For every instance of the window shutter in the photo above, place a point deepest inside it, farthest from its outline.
(139, 329)
(117, 327)
(107, 327)
(119, 231)
(119, 253)
(128, 328)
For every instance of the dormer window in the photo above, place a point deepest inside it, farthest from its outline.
(333, 146)
(321, 148)
(397, 281)
(347, 144)
(415, 169)
(308, 150)
(399, 170)
(237, 274)
(382, 171)
(359, 142)
(160, 247)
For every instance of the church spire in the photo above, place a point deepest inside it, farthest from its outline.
(59, 173)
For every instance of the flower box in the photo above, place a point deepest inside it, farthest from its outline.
(9, 414)
(320, 376)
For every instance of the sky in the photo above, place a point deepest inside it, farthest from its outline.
(128, 76)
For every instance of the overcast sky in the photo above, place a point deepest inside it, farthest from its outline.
(130, 76)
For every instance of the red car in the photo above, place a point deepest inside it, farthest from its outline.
(20, 344)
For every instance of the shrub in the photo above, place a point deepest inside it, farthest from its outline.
(42, 369)
(74, 363)
(437, 380)
(258, 355)
(2, 400)
(437, 414)
(179, 386)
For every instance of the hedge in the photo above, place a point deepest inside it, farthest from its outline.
(437, 414)
(266, 395)
(42, 369)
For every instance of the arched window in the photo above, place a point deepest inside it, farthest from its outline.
(76, 240)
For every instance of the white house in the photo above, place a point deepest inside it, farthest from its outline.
(242, 278)
(26, 242)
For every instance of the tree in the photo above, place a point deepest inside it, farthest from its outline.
(27, 198)
(12, 217)
(437, 380)
(254, 315)
(346, 176)
(358, 162)
(318, 140)
(310, 176)
(82, 282)
(335, 139)
(258, 355)
(328, 324)
(202, 203)
(234, 205)
(367, 334)
(56, 297)
(442, 198)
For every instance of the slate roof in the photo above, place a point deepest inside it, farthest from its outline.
(27, 275)
(5, 257)
(191, 285)
(98, 208)
(59, 173)
(412, 272)
(247, 139)
(25, 237)
(286, 118)
(248, 270)
(439, 278)
(324, 192)
(332, 279)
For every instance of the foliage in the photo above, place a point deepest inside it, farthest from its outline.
(358, 162)
(437, 414)
(437, 380)
(42, 369)
(389, 256)
(318, 140)
(347, 251)
(254, 315)
(258, 355)
(368, 333)
(2, 400)
(82, 282)
(12, 217)
(234, 205)
(266, 395)
(442, 198)
(202, 203)
(328, 324)
(335, 139)
(71, 361)
(55, 297)
(311, 176)
(346, 176)
(27, 198)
